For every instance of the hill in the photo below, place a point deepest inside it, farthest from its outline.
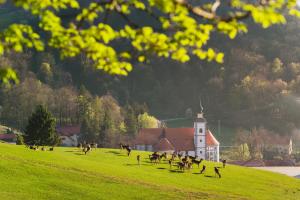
(108, 174)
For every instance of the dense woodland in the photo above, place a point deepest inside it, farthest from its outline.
(257, 86)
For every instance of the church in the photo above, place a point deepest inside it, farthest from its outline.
(198, 141)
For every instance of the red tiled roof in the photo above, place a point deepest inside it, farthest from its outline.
(164, 145)
(7, 136)
(182, 139)
(68, 130)
(210, 139)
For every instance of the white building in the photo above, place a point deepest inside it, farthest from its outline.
(197, 141)
(69, 135)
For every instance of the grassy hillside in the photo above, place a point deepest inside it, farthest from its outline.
(108, 174)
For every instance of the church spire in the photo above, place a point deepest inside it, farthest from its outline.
(200, 113)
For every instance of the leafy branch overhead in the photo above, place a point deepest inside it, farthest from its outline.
(182, 28)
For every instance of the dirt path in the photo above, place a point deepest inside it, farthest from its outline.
(290, 171)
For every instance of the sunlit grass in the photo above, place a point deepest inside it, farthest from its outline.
(109, 174)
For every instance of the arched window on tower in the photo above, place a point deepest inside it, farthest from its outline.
(200, 130)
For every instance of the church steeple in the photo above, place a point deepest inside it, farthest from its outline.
(200, 133)
(200, 113)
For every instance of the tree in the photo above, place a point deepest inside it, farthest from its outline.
(40, 130)
(20, 140)
(180, 28)
(87, 133)
(106, 130)
(147, 121)
(130, 120)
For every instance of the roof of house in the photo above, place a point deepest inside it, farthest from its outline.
(164, 145)
(181, 139)
(278, 140)
(210, 139)
(7, 136)
(68, 130)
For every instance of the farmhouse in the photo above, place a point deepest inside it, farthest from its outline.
(280, 145)
(10, 138)
(197, 141)
(69, 134)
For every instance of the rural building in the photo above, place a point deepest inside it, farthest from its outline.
(9, 138)
(69, 134)
(279, 144)
(197, 141)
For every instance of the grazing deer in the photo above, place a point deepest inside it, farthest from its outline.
(224, 163)
(87, 149)
(164, 155)
(192, 157)
(123, 146)
(181, 166)
(138, 159)
(197, 162)
(203, 169)
(94, 146)
(217, 172)
(128, 150)
(185, 159)
(170, 162)
(154, 158)
(179, 156)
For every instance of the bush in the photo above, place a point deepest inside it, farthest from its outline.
(20, 140)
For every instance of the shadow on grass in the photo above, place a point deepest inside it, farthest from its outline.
(209, 176)
(135, 164)
(113, 152)
(197, 173)
(161, 168)
(72, 151)
(122, 155)
(80, 154)
(176, 171)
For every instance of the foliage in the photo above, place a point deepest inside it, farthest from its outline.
(20, 140)
(182, 29)
(40, 130)
(147, 121)
(75, 175)
(130, 120)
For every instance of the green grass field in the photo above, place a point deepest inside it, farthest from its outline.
(66, 173)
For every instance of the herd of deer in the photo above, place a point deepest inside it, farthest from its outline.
(183, 162)
(36, 148)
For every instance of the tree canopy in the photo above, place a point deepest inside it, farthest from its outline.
(40, 130)
(176, 29)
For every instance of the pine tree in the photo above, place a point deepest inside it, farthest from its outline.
(40, 130)
(87, 132)
(130, 120)
(105, 129)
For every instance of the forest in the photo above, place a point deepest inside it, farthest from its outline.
(258, 85)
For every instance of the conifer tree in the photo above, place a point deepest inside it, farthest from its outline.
(130, 120)
(40, 130)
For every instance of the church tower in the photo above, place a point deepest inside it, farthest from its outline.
(199, 134)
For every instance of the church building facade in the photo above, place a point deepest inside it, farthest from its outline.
(197, 141)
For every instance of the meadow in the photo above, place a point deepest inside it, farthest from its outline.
(66, 173)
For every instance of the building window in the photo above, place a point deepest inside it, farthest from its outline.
(200, 140)
(200, 130)
(200, 152)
